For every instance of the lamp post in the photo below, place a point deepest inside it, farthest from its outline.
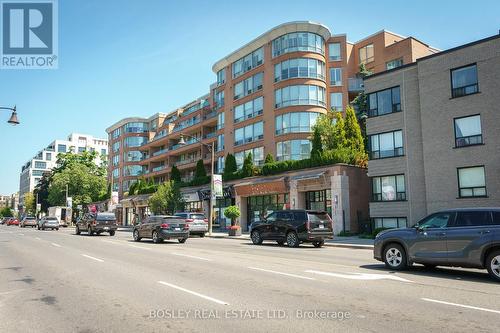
(210, 148)
(13, 117)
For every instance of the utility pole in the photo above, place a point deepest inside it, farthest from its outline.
(212, 188)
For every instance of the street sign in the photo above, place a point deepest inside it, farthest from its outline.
(69, 202)
(38, 207)
(217, 186)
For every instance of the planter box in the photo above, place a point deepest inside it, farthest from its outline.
(234, 232)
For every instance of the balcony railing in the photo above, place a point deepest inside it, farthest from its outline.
(187, 124)
(210, 115)
(159, 168)
(209, 135)
(159, 152)
(356, 84)
(187, 161)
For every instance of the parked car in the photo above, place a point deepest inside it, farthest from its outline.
(28, 221)
(293, 227)
(161, 227)
(12, 221)
(4, 220)
(467, 237)
(48, 222)
(197, 222)
(97, 223)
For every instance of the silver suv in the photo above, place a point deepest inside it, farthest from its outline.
(459, 237)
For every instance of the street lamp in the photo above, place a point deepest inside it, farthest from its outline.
(210, 148)
(13, 117)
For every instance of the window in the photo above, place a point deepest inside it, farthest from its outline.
(438, 220)
(132, 170)
(299, 67)
(61, 148)
(257, 156)
(48, 156)
(464, 81)
(386, 145)
(468, 131)
(298, 41)
(116, 160)
(293, 150)
(219, 99)
(116, 173)
(366, 54)
(249, 133)
(116, 133)
(131, 156)
(336, 101)
(249, 110)
(220, 142)
(81, 149)
(394, 63)
(388, 188)
(221, 76)
(390, 222)
(473, 218)
(116, 146)
(248, 86)
(496, 218)
(135, 141)
(103, 152)
(220, 120)
(37, 173)
(295, 122)
(135, 127)
(220, 164)
(299, 95)
(247, 63)
(334, 52)
(335, 76)
(471, 182)
(384, 102)
(40, 165)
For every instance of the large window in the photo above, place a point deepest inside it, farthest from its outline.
(220, 142)
(295, 122)
(299, 95)
(116, 173)
(249, 110)
(220, 164)
(248, 62)
(335, 76)
(471, 182)
(334, 52)
(221, 76)
(48, 156)
(293, 150)
(366, 54)
(384, 102)
(219, 99)
(464, 81)
(116, 133)
(248, 86)
(386, 145)
(40, 165)
(132, 170)
(220, 120)
(257, 156)
(135, 127)
(388, 188)
(249, 133)
(116, 146)
(133, 156)
(298, 41)
(394, 63)
(61, 148)
(336, 102)
(468, 131)
(390, 222)
(299, 67)
(473, 218)
(135, 141)
(116, 159)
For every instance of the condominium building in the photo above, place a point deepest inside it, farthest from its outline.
(434, 134)
(4, 201)
(45, 159)
(267, 96)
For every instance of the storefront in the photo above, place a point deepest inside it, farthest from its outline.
(135, 209)
(319, 200)
(193, 202)
(260, 206)
(220, 221)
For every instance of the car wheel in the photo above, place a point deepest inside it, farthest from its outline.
(136, 236)
(77, 230)
(319, 243)
(292, 240)
(395, 257)
(57, 229)
(182, 240)
(112, 233)
(256, 237)
(156, 238)
(280, 242)
(493, 265)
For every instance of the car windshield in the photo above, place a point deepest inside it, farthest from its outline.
(106, 217)
(317, 217)
(197, 216)
(51, 218)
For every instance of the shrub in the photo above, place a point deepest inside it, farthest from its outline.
(232, 213)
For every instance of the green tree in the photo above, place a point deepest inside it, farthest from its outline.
(353, 136)
(6, 212)
(338, 137)
(29, 203)
(317, 145)
(248, 167)
(42, 190)
(175, 174)
(230, 166)
(167, 199)
(200, 171)
(269, 159)
(232, 213)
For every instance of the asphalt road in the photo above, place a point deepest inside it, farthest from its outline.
(55, 281)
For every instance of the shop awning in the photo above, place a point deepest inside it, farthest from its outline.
(261, 187)
(308, 176)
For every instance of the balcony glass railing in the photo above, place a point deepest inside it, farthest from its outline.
(210, 115)
(356, 84)
(186, 161)
(210, 135)
(159, 152)
(159, 168)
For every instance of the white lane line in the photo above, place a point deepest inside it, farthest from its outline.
(193, 293)
(189, 256)
(93, 258)
(139, 247)
(21, 234)
(56, 245)
(360, 276)
(281, 273)
(38, 238)
(460, 305)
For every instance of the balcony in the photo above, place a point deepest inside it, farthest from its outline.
(210, 115)
(159, 168)
(159, 152)
(187, 124)
(210, 135)
(186, 161)
(356, 84)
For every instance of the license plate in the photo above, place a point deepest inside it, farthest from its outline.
(321, 226)
(177, 229)
(106, 228)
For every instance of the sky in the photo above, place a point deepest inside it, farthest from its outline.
(123, 58)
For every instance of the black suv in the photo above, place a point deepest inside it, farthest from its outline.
(161, 227)
(465, 237)
(293, 227)
(97, 223)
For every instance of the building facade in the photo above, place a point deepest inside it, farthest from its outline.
(434, 134)
(45, 159)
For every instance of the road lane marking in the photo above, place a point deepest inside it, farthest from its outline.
(193, 293)
(360, 276)
(460, 305)
(21, 234)
(93, 258)
(38, 238)
(139, 247)
(282, 273)
(189, 256)
(56, 245)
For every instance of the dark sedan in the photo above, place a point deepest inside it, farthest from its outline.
(161, 227)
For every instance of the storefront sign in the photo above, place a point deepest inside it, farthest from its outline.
(191, 197)
(217, 186)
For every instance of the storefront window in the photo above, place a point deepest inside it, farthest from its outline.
(194, 206)
(260, 206)
(319, 200)
(220, 221)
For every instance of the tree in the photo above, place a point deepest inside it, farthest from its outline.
(42, 190)
(338, 138)
(232, 213)
(353, 136)
(230, 166)
(29, 203)
(248, 167)
(200, 171)
(167, 199)
(317, 145)
(175, 174)
(269, 159)
(6, 212)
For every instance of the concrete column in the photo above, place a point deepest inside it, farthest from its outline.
(340, 202)
(242, 220)
(297, 199)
